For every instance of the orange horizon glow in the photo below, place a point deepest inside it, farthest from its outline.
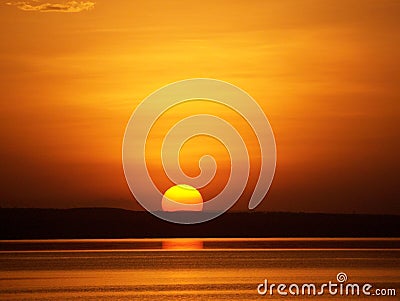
(325, 74)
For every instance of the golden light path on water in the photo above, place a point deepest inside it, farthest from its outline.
(190, 268)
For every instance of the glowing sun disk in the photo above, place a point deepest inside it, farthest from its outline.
(182, 197)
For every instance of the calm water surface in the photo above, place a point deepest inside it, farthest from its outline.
(192, 269)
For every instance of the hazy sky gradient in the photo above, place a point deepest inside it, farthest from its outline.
(326, 74)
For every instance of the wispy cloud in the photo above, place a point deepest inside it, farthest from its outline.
(66, 7)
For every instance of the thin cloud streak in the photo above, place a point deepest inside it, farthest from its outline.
(67, 7)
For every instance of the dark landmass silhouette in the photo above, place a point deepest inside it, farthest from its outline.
(30, 223)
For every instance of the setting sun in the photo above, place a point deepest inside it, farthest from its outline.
(182, 198)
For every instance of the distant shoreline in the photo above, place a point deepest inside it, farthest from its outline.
(199, 244)
(86, 223)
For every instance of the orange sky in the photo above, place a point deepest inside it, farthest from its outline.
(325, 73)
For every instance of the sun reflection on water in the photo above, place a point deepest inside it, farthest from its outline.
(182, 244)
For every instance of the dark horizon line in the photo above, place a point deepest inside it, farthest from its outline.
(121, 223)
(227, 212)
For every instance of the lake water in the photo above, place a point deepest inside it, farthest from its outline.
(194, 269)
